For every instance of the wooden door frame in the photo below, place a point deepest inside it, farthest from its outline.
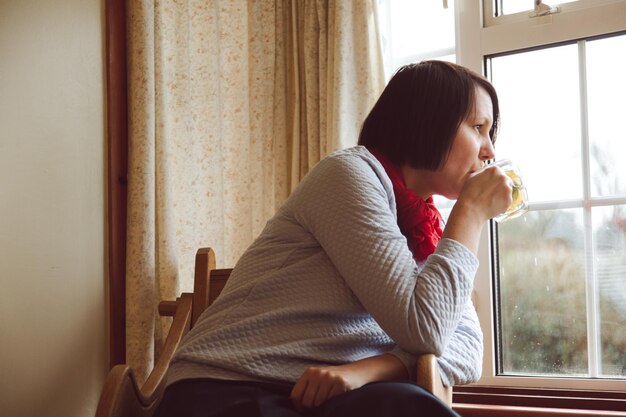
(117, 167)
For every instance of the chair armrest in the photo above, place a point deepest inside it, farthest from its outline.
(168, 308)
(121, 395)
(154, 385)
(429, 378)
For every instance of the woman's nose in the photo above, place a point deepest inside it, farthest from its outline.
(487, 151)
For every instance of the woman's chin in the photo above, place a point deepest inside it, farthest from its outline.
(452, 195)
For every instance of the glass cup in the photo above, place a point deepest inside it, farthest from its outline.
(519, 205)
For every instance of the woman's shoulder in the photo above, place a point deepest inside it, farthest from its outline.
(347, 171)
(356, 160)
(354, 153)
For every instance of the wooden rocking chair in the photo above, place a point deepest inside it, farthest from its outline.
(122, 396)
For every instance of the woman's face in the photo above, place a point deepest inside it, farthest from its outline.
(471, 148)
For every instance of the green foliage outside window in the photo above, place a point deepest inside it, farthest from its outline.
(543, 311)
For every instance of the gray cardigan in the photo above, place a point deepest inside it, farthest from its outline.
(331, 280)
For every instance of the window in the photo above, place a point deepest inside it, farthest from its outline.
(551, 291)
(562, 271)
(413, 31)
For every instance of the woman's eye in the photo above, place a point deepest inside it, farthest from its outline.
(478, 127)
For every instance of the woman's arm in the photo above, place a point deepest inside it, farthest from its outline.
(317, 385)
(461, 363)
(346, 204)
(462, 360)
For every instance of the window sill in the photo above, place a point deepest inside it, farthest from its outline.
(487, 401)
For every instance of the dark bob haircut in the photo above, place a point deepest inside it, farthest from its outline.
(416, 118)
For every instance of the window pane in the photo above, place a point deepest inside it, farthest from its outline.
(426, 24)
(610, 266)
(516, 6)
(606, 66)
(542, 288)
(539, 102)
(413, 31)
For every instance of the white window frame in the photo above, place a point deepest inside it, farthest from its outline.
(479, 34)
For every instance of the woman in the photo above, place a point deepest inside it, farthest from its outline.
(325, 312)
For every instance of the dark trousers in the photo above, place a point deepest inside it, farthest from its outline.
(213, 398)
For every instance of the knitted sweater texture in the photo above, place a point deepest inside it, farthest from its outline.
(331, 280)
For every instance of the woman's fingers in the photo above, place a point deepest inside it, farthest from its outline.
(331, 385)
(490, 190)
(316, 386)
(308, 397)
(323, 392)
(338, 388)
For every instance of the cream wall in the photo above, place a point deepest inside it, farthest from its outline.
(52, 208)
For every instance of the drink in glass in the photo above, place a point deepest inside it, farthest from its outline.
(519, 205)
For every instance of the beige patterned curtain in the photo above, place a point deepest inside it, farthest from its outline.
(231, 102)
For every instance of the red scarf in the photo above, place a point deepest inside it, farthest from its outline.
(418, 219)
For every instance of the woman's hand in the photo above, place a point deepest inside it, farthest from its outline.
(317, 385)
(485, 194)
